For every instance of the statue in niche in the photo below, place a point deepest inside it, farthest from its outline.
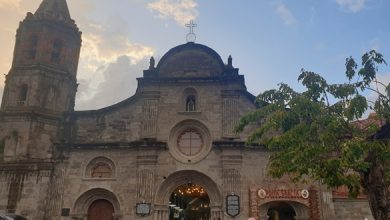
(190, 104)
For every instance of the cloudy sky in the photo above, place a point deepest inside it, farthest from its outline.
(269, 40)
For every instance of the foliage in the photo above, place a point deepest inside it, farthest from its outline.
(316, 133)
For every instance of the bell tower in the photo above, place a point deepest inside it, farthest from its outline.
(41, 84)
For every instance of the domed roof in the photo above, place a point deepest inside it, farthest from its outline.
(190, 60)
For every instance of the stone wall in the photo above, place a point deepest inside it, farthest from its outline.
(151, 114)
(349, 209)
(24, 189)
(156, 166)
(26, 138)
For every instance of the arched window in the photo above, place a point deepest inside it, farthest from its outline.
(23, 92)
(56, 51)
(100, 167)
(32, 51)
(190, 103)
(190, 100)
(190, 142)
(101, 170)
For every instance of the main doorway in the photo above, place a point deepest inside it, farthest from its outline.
(101, 209)
(281, 211)
(189, 202)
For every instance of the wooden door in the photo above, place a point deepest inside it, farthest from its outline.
(101, 210)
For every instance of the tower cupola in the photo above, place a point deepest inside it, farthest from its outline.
(46, 55)
(54, 10)
(49, 37)
(41, 84)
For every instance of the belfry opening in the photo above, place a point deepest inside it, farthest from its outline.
(189, 202)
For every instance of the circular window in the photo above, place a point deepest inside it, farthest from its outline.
(190, 142)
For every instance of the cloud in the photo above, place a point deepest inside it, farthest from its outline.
(181, 11)
(9, 3)
(106, 47)
(384, 78)
(352, 5)
(119, 82)
(11, 13)
(313, 13)
(106, 44)
(375, 44)
(285, 14)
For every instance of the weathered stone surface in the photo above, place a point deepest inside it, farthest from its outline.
(56, 162)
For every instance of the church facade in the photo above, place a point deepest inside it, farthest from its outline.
(168, 152)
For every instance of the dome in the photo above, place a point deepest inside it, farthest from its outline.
(190, 60)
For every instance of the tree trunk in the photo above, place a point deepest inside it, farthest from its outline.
(376, 188)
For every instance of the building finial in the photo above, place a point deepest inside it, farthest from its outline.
(191, 37)
(151, 63)
(230, 61)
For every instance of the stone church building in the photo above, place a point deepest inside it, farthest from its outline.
(166, 153)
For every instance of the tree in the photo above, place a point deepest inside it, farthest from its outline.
(316, 133)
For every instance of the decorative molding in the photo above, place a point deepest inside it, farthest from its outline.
(230, 116)
(147, 159)
(178, 129)
(100, 161)
(149, 118)
(231, 182)
(145, 185)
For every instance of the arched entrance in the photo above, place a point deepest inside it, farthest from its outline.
(284, 210)
(97, 202)
(101, 209)
(281, 211)
(179, 180)
(190, 202)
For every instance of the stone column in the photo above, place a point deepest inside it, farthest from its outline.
(216, 213)
(263, 216)
(253, 203)
(161, 213)
(313, 201)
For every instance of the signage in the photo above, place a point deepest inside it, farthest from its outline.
(143, 209)
(283, 193)
(233, 205)
(176, 213)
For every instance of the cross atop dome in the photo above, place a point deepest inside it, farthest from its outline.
(191, 37)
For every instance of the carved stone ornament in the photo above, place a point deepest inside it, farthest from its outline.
(305, 193)
(262, 193)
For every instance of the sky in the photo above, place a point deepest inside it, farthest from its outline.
(270, 40)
